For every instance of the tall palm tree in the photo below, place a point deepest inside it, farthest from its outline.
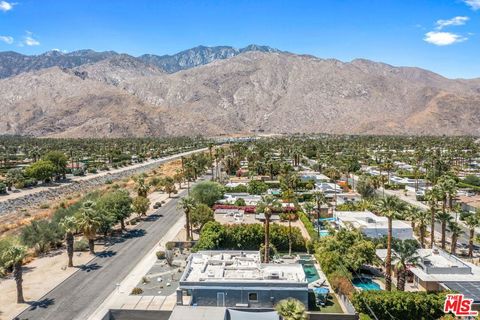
(444, 218)
(390, 207)
(406, 254)
(187, 204)
(69, 225)
(267, 206)
(411, 214)
(13, 257)
(320, 199)
(456, 231)
(431, 196)
(472, 222)
(89, 221)
(291, 309)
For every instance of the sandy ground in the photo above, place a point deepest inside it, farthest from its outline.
(39, 276)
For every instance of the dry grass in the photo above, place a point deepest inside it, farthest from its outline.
(11, 223)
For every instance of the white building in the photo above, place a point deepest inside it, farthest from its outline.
(373, 226)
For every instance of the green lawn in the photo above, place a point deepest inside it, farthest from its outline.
(332, 305)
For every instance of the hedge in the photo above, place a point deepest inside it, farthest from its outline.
(400, 304)
(308, 225)
(215, 236)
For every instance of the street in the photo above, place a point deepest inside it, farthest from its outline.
(80, 295)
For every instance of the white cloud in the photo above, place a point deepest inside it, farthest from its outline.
(29, 40)
(443, 38)
(474, 4)
(456, 21)
(6, 39)
(6, 6)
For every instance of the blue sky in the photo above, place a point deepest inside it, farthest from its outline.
(439, 35)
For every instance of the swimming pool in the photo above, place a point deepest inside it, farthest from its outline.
(310, 272)
(366, 284)
(324, 233)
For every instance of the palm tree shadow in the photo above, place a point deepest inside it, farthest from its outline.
(44, 303)
(153, 217)
(106, 254)
(89, 267)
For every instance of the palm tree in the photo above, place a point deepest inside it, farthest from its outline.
(456, 231)
(444, 218)
(187, 204)
(13, 257)
(320, 199)
(69, 224)
(88, 221)
(422, 218)
(268, 205)
(431, 196)
(411, 214)
(472, 222)
(406, 254)
(390, 207)
(291, 309)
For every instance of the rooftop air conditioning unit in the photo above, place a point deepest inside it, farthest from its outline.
(274, 275)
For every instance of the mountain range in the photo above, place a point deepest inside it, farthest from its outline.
(223, 90)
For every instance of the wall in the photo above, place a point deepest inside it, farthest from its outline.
(208, 297)
(137, 315)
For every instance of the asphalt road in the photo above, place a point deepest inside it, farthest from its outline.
(82, 293)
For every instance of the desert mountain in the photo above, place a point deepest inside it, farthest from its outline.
(198, 56)
(273, 92)
(13, 63)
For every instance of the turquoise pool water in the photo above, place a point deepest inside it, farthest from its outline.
(366, 284)
(310, 272)
(324, 233)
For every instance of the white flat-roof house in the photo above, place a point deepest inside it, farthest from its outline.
(373, 226)
(328, 187)
(437, 270)
(239, 279)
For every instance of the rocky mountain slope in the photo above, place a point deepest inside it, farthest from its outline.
(198, 56)
(255, 91)
(13, 63)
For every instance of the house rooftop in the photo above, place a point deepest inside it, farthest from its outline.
(239, 266)
(367, 219)
(439, 266)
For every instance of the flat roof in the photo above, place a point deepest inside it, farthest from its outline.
(367, 219)
(239, 266)
(439, 266)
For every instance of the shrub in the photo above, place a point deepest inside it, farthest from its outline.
(78, 172)
(41, 235)
(137, 291)
(160, 255)
(80, 245)
(30, 183)
(3, 188)
(44, 206)
(92, 170)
